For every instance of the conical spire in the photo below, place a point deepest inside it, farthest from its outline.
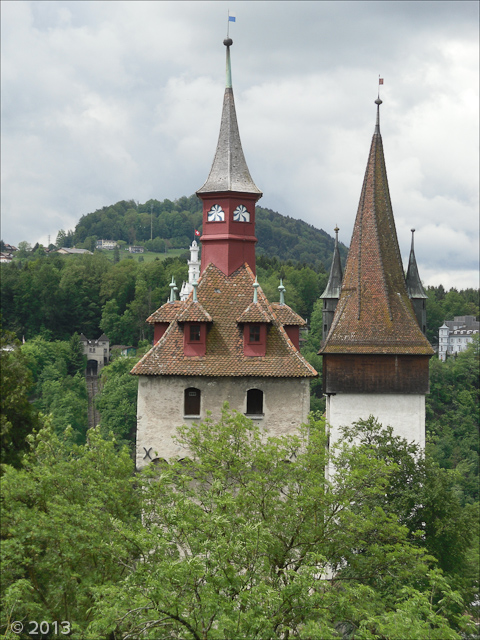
(414, 284)
(229, 170)
(374, 314)
(332, 290)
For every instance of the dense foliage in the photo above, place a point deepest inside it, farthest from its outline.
(244, 540)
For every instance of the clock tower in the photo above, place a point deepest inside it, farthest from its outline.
(229, 196)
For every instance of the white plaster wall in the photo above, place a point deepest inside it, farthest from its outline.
(405, 413)
(286, 403)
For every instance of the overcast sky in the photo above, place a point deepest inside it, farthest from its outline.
(105, 101)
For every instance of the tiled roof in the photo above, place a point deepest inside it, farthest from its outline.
(194, 312)
(255, 313)
(225, 298)
(286, 315)
(167, 312)
(374, 313)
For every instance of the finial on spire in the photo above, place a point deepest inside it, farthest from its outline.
(336, 234)
(194, 296)
(282, 290)
(413, 234)
(255, 287)
(378, 102)
(173, 290)
(228, 79)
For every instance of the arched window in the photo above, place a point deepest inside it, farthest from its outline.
(191, 404)
(254, 402)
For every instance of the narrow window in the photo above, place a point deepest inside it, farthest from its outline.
(191, 406)
(254, 402)
(194, 333)
(254, 333)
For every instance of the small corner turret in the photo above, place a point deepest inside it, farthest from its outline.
(415, 289)
(332, 291)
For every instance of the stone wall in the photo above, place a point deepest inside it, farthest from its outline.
(286, 403)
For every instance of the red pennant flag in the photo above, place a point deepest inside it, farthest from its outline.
(197, 232)
(380, 81)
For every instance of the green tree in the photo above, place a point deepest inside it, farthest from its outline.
(18, 417)
(61, 515)
(117, 401)
(245, 539)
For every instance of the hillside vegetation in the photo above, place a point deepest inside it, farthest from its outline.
(166, 224)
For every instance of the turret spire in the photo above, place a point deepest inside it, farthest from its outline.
(332, 291)
(229, 170)
(374, 313)
(415, 289)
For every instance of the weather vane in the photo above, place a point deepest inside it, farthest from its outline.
(231, 18)
(380, 81)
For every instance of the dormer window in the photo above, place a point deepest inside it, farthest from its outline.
(195, 332)
(194, 339)
(254, 333)
(254, 339)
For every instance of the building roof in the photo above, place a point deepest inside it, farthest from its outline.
(374, 314)
(332, 290)
(167, 312)
(286, 315)
(229, 170)
(414, 284)
(72, 250)
(225, 299)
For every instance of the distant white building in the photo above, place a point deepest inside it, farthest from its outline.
(66, 251)
(455, 335)
(136, 249)
(106, 244)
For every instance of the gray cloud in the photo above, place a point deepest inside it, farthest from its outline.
(109, 100)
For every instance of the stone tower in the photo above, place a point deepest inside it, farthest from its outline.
(375, 357)
(225, 341)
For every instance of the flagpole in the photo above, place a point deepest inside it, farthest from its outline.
(228, 23)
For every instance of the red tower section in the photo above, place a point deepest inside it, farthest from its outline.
(229, 196)
(228, 238)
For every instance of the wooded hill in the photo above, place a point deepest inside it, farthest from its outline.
(172, 224)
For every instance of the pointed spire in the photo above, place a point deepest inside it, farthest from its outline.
(332, 290)
(374, 314)
(229, 170)
(281, 288)
(413, 282)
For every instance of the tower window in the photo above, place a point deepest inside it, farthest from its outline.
(254, 334)
(194, 333)
(254, 402)
(191, 405)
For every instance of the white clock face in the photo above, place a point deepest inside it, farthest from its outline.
(241, 214)
(216, 214)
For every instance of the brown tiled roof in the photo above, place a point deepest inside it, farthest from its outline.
(194, 312)
(374, 313)
(167, 312)
(286, 315)
(255, 313)
(225, 298)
